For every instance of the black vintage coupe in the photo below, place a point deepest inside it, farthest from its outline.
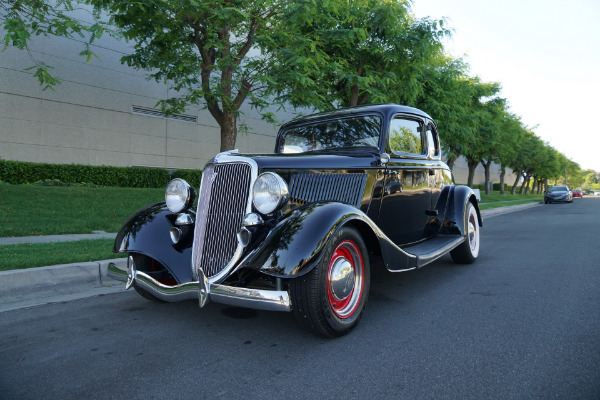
(299, 230)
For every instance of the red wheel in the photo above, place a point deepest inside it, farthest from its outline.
(329, 300)
(345, 279)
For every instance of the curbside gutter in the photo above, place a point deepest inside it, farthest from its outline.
(32, 287)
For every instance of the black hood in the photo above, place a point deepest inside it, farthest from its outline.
(316, 160)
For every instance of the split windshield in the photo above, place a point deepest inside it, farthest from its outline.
(342, 133)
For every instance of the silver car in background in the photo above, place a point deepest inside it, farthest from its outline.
(556, 194)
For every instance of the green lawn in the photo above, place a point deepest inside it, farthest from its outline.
(495, 199)
(17, 256)
(29, 210)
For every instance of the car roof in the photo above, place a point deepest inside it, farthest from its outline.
(386, 109)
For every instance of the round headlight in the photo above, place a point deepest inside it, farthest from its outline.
(269, 192)
(179, 195)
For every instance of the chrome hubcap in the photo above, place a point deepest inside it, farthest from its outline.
(472, 240)
(341, 278)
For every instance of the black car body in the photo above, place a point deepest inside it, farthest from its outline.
(558, 194)
(298, 230)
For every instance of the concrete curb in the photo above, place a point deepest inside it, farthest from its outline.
(35, 286)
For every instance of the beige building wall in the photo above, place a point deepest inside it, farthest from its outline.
(89, 118)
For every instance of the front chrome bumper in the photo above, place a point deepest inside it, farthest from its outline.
(271, 300)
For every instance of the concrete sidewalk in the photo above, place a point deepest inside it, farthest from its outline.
(493, 212)
(57, 238)
(37, 286)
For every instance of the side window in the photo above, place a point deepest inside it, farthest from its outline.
(405, 136)
(431, 143)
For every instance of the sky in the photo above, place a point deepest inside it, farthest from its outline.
(546, 56)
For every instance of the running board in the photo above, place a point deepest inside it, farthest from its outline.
(432, 249)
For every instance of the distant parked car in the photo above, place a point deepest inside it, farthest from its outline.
(596, 192)
(557, 194)
(577, 193)
(585, 193)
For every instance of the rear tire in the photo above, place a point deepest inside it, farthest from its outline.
(468, 251)
(329, 300)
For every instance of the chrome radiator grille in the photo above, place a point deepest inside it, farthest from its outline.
(346, 188)
(222, 204)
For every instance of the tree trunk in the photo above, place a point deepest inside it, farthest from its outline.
(534, 187)
(450, 162)
(354, 95)
(355, 89)
(486, 168)
(525, 183)
(502, 173)
(514, 186)
(228, 131)
(472, 166)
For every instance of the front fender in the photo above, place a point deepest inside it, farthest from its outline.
(295, 245)
(147, 232)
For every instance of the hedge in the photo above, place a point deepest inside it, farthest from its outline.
(19, 172)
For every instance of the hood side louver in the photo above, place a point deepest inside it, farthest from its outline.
(345, 188)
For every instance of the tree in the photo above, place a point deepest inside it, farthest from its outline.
(346, 53)
(447, 95)
(511, 129)
(22, 20)
(206, 51)
(491, 138)
(483, 121)
(590, 178)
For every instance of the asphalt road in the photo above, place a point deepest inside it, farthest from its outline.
(521, 323)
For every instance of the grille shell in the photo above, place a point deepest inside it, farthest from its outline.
(223, 201)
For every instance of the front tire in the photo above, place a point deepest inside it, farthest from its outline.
(329, 300)
(468, 251)
(145, 264)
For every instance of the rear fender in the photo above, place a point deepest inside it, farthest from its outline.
(147, 232)
(458, 198)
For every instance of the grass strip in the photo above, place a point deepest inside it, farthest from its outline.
(31, 210)
(17, 256)
(499, 204)
(494, 197)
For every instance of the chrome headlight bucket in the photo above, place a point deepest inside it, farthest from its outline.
(179, 195)
(269, 192)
